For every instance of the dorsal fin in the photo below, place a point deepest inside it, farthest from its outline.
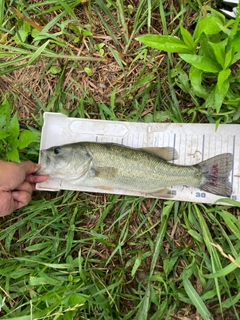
(165, 153)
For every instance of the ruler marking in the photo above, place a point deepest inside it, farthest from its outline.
(203, 146)
(233, 152)
(174, 145)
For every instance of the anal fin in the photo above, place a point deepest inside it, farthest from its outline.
(163, 193)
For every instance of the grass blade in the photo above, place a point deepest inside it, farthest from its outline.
(144, 307)
(38, 52)
(195, 298)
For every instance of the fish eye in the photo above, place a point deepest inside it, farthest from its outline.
(57, 150)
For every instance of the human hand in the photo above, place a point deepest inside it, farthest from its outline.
(17, 183)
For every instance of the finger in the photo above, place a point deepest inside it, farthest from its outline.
(25, 186)
(21, 197)
(29, 167)
(36, 179)
(11, 175)
(8, 205)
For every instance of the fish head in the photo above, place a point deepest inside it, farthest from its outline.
(65, 162)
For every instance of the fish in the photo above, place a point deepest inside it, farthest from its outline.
(110, 166)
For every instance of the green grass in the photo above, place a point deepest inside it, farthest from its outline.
(71, 255)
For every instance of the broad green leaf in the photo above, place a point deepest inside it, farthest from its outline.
(5, 107)
(21, 36)
(26, 26)
(220, 96)
(87, 33)
(35, 33)
(225, 30)
(187, 38)
(3, 119)
(182, 80)
(221, 89)
(195, 298)
(13, 128)
(88, 71)
(13, 155)
(236, 58)
(210, 101)
(76, 29)
(229, 58)
(219, 51)
(216, 97)
(195, 77)
(205, 48)
(222, 77)
(55, 70)
(165, 43)
(234, 24)
(3, 134)
(235, 44)
(162, 116)
(202, 63)
(208, 25)
(26, 138)
(5, 113)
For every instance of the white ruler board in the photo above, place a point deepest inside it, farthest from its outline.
(193, 142)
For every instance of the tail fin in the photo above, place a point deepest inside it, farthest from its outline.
(216, 173)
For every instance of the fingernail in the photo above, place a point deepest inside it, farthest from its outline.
(37, 167)
(15, 194)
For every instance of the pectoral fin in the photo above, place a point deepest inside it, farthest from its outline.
(106, 173)
(165, 153)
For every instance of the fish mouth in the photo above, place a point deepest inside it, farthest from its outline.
(45, 164)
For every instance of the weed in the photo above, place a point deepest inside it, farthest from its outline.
(12, 140)
(212, 52)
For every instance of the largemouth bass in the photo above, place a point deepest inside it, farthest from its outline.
(109, 166)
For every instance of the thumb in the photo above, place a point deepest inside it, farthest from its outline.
(29, 167)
